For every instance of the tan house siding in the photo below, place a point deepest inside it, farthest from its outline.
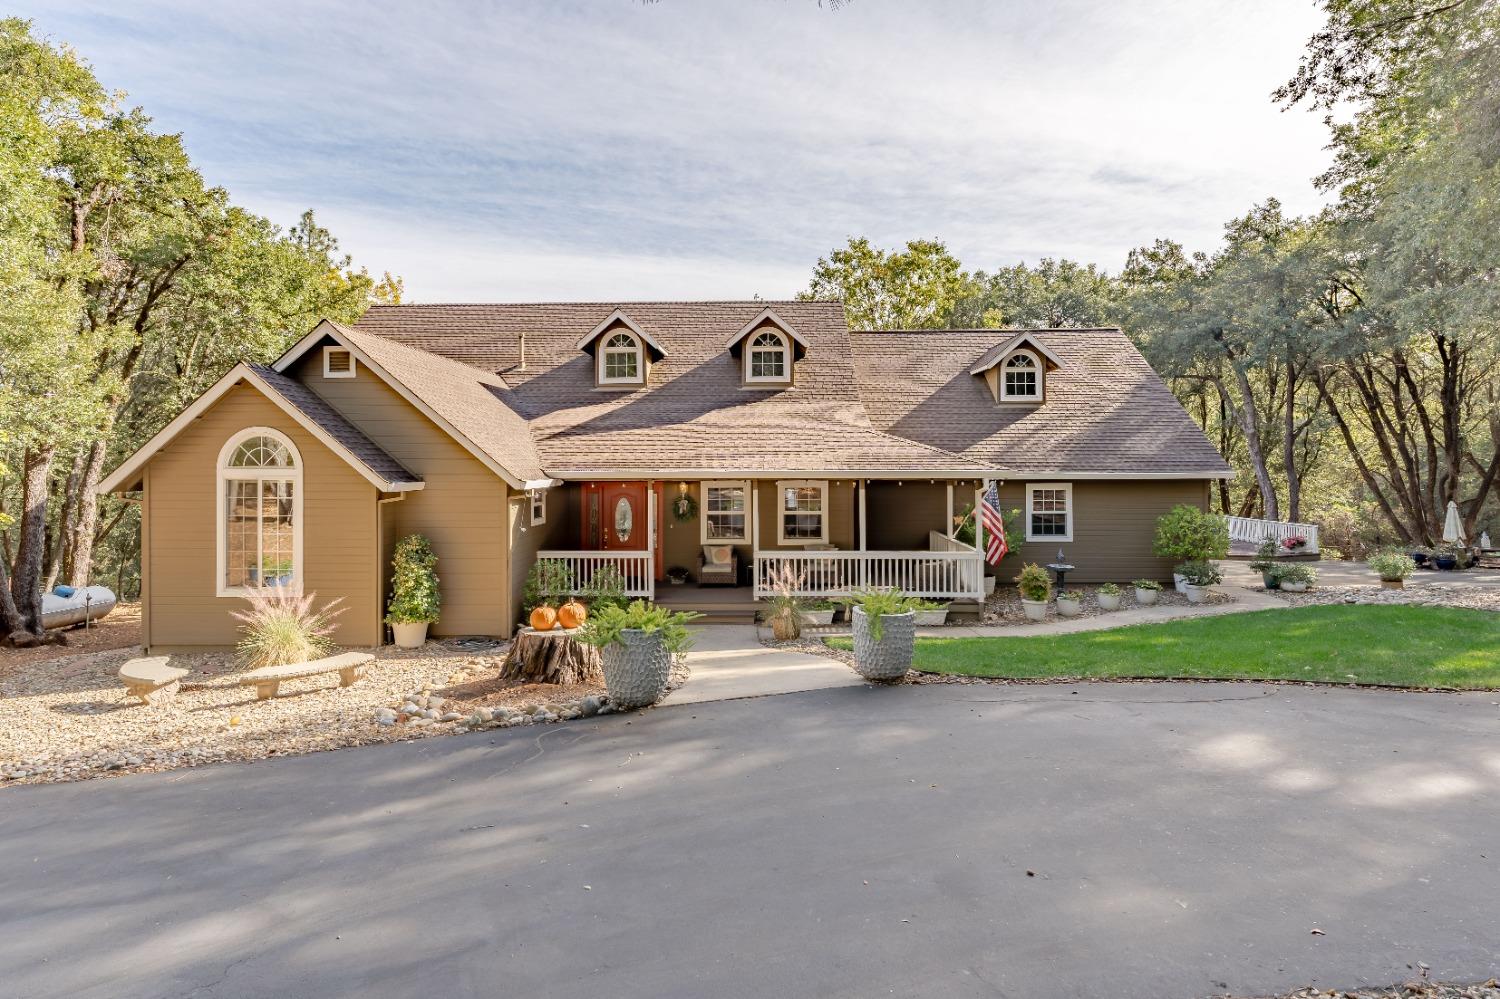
(181, 530)
(901, 517)
(842, 514)
(461, 509)
(526, 539)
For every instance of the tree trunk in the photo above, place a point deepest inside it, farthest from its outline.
(1289, 448)
(85, 518)
(1245, 413)
(551, 657)
(26, 575)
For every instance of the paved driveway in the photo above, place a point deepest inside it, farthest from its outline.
(1127, 840)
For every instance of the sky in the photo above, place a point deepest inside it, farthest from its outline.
(696, 149)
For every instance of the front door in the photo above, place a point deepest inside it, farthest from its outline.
(616, 517)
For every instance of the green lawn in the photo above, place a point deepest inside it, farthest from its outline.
(1392, 644)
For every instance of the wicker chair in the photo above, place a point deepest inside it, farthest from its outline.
(711, 573)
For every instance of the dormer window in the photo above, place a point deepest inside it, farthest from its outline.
(620, 360)
(767, 358)
(1021, 377)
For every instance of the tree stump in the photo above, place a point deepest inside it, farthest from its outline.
(551, 657)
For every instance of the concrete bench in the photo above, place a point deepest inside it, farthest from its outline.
(350, 666)
(151, 677)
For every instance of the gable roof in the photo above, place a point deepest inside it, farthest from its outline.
(301, 404)
(1107, 413)
(768, 315)
(619, 316)
(1008, 346)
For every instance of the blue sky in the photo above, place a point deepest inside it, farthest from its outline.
(526, 151)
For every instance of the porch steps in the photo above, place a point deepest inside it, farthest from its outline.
(726, 606)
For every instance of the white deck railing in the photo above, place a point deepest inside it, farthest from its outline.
(945, 575)
(1254, 531)
(636, 568)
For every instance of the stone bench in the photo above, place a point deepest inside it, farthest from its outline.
(151, 677)
(350, 666)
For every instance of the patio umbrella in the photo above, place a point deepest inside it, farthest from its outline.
(1453, 527)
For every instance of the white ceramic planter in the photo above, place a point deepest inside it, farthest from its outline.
(1069, 608)
(888, 658)
(931, 618)
(1195, 594)
(989, 584)
(1108, 601)
(1180, 582)
(1144, 597)
(816, 618)
(410, 635)
(1036, 610)
(637, 668)
(1293, 586)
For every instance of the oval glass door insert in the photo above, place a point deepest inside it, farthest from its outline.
(624, 518)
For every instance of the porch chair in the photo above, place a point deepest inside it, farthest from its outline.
(718, 565)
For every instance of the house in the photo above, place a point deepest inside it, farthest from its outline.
(730, 439)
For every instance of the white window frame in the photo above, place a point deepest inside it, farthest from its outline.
(538, 507)
(784, 484)
(636, 349)
(1067, 490)
(223, 475)
(329, 372)
(1005, 394)
(703, 488)
(783, 349)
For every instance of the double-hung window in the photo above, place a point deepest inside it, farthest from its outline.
(802, 513)
(726, 508)
(1049, 511)
(260, 513)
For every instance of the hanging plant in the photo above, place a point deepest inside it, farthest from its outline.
(685, 507)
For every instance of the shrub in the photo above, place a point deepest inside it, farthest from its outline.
(1392, 565)
(1034, 583)
(964, 526)
(1110, 589)
(1146, 584)
(548, 581)
(281, 627)
(878, 603)
(1200, 573)
(1295, 572)
(414, 584)
(1074, 595)
(1265, 556)
(607, 621)
(1188, 534)
(606, 589)
(785, 607)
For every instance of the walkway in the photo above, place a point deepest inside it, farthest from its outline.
(728, 661)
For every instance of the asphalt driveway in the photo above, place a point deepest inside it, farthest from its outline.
(1111, 840)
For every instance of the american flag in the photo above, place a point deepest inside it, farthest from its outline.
(994, 526)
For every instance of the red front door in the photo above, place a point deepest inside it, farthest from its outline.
(616, 517)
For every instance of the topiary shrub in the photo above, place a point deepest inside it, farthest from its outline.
(414, 583)
(1034, 583)
(1188, 534)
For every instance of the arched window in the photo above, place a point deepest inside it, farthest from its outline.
(260, 512)
(620, 360)
(1021, 377)
(766, 358)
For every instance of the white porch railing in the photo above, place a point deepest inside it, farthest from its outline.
(636, 568)
(1254, 531)
(945, 575)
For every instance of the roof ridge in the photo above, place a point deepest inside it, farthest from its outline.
(619, 302)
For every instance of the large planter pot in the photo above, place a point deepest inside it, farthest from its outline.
(1194, 594)
(989, 584)
(1036, 610)
(889, 658)
(1069, 608)
(636, 669)
(1447, 563)
(409, 634)
(1272, 583)
(1179, 582)
(1144, 597)
(818, 618)
(1293, 586)
(1108, 601)
(931, 618)
(1419, 557)
(1393, 584)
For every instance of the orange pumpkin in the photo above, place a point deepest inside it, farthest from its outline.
(544, 618)
(572, 614)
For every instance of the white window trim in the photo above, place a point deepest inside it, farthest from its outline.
(538, 507)
(703, 488)
(784, 484)
(1041, 374)
(330, 373)
(786, 358)
(640, 359)
(222, 475)
(1067, 488)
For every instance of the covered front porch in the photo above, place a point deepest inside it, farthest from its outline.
(737, 537)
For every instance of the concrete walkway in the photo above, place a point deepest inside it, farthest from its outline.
(728, 661)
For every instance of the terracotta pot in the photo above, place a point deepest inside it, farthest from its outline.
(1393, 584)
(544, 618)
(572, 614)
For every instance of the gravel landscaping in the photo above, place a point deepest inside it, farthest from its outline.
(1410, 990)
(1425, 595)
(1003, 607)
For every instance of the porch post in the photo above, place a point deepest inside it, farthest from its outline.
(948, 528)
(864, 563)
(860, 485)
(978, 520)
(651, 536)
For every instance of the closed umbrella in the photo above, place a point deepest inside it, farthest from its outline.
(1453, 527)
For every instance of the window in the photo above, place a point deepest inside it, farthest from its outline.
(801, 517)
(1049, 511)
(338, 362)
(260, 513)
(725, 516)
(1021, 377)
(766, 358)
(538, 507)
(620, 360)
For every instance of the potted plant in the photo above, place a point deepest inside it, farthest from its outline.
(1188, 534)
(1392, 567)
(930, 613)
(1035, 587)
(818, 613)
(1108, 596)
(636, 645)
(677, 575)
(884, 634)
(1265, 561)
(1070, 603)
(1420, 556)
(414, 591)
(1296, 577)
(1446, 558)
(1146, 591)
(784, 607)
(1198, 576)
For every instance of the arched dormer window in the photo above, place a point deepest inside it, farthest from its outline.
(1021, 377)
(260, 513)
(620, 360)
(767, 358)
